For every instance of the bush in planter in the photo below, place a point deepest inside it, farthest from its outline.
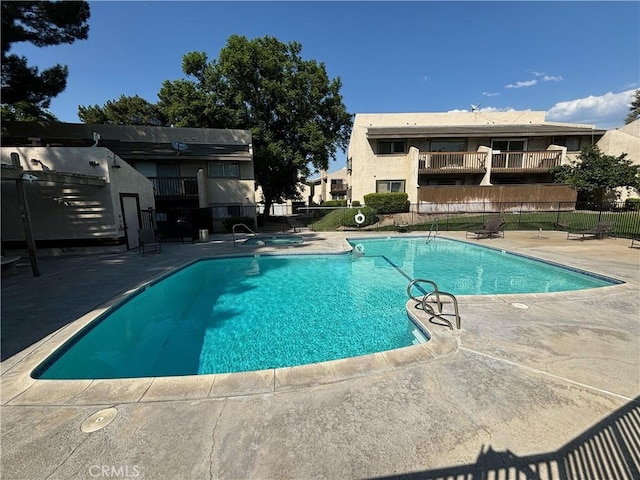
(229, 222)
(355, 203)
(385, 203)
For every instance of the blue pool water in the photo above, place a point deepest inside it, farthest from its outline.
(258, 312)
(462, 268)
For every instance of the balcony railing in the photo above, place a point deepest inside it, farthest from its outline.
(529, 161)
(183, 187)
(449, 162)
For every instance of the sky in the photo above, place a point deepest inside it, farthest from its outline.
(577, 61)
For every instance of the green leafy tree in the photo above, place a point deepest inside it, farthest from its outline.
(634, 109)
(293, 109)
(124, 111)
(595, 176)
(27, 92)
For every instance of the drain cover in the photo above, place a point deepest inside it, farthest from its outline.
(99, 420)
(519, 305)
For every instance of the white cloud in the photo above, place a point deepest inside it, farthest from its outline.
(538, 74)
(551, 78)
(528, 83)
(490, 94)
(605, 111)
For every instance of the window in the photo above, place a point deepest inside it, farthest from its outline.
(509, 145)
(572, 143)
(448, 145)
(391, 146)
(387, 186)
(224, 169)
(223, 211)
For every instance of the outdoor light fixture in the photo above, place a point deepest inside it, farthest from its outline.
(35, 161)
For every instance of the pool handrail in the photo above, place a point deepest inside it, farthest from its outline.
(421, 303)
(233, 231)
(433, 234)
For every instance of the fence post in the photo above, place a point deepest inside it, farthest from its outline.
(520, 216)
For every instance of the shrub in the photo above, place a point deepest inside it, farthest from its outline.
(355, 203)
(369, 213)
(329, 203)
(632, 204)
(384, 203)
(345, 217)
(335, 203)
(229, 222)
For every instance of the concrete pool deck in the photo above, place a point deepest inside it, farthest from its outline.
(552, 388)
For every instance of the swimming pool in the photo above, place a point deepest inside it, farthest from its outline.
(258, 312)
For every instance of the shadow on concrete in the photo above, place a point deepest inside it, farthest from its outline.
(607, 451)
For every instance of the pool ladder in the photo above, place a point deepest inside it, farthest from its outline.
(233, 230)
(423, 303)
(433, 231)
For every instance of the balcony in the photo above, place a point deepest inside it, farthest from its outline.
(452, 162)
(531, 161)
(339, 188)
(175, 187)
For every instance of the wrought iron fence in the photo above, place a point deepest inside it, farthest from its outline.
(518, 216)
(177, 225)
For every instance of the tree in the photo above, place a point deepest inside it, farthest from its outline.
(596, 175)
(634, 109)
(27, 92)
(294, 111)
(124, 111)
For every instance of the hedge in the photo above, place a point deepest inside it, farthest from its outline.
(384, 203)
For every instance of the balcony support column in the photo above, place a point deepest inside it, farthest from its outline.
(486, 179)
(203, 200)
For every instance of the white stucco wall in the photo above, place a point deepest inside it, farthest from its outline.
(623, 140)
(69, 211)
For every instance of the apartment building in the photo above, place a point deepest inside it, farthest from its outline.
(198, 176)
(418, 152)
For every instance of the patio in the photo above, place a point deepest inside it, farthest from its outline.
(552, 389)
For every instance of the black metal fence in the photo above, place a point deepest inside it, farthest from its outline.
(178, 225)
(534, 216)
(518, 216)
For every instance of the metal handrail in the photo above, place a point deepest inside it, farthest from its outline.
(233, 231)
(422, 304)
(433, 224)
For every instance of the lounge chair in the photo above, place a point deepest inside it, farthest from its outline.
(399, 224)
(494, 227)
(600, 230)
(635, 242)
(147, 240)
